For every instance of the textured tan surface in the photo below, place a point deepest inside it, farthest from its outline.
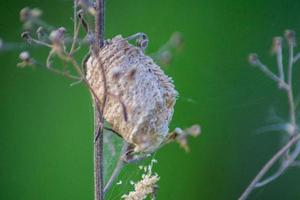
(147, 93)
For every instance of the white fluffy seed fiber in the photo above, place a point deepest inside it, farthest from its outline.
(136, 81)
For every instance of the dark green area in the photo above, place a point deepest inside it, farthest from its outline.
(46, 125)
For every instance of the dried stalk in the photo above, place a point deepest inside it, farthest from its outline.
(98, 118)
(286, 153)
(268, 165)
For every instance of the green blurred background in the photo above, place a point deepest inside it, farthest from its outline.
(46, 125)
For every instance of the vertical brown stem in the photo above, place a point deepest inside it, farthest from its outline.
(99, 26)
(98, 118)
(98, 154)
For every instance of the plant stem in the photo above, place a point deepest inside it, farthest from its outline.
(99, 26)
(290, 91)
(98, 154)
(268, 165)
(98, 117)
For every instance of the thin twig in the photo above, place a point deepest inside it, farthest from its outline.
(290, 90)
(98, 126)
(285, 153)
(268, 165)
(99, 26)
(285, 164)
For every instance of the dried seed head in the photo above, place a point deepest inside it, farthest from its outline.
(25, 60)
(290, 36)
(24, 56)
(26, 36)
(194, 130)
(176, 40)
(25, 14)
(253, 59)
(165, 57)
(57, 36)
(87, 5)
(147, 93)
(277, 45)
(90, 38)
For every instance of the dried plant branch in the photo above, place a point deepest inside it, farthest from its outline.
(99, 121)
(268, 165)
(287, 155)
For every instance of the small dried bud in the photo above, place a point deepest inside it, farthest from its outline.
(290, 36)
(90, 38)
(24, 56)
(87, 5)
(253, 59)
(25, 59)
(26, 36)
(92, 10)
(277, 45)
(290, 128)
(25, 14)
(165, 57)
(178, 131)
(57, 36)
(176, 40)
(194, 130)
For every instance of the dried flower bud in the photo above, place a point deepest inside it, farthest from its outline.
(165, 57)
(87, 5)
(290, 36)
(147, 93)
(24, 56)
(57, 36)
(178, 131)
(25, 59)
(194, 130)
(176, 40)
(277, 45)
(290, 129)
(25, 14)
(26, 36)
(90, 38)
(253, 59)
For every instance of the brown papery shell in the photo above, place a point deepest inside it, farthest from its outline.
(134, 80)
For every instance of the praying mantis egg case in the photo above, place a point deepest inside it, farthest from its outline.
(134, 80)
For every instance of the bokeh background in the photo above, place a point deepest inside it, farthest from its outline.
(46, 125)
